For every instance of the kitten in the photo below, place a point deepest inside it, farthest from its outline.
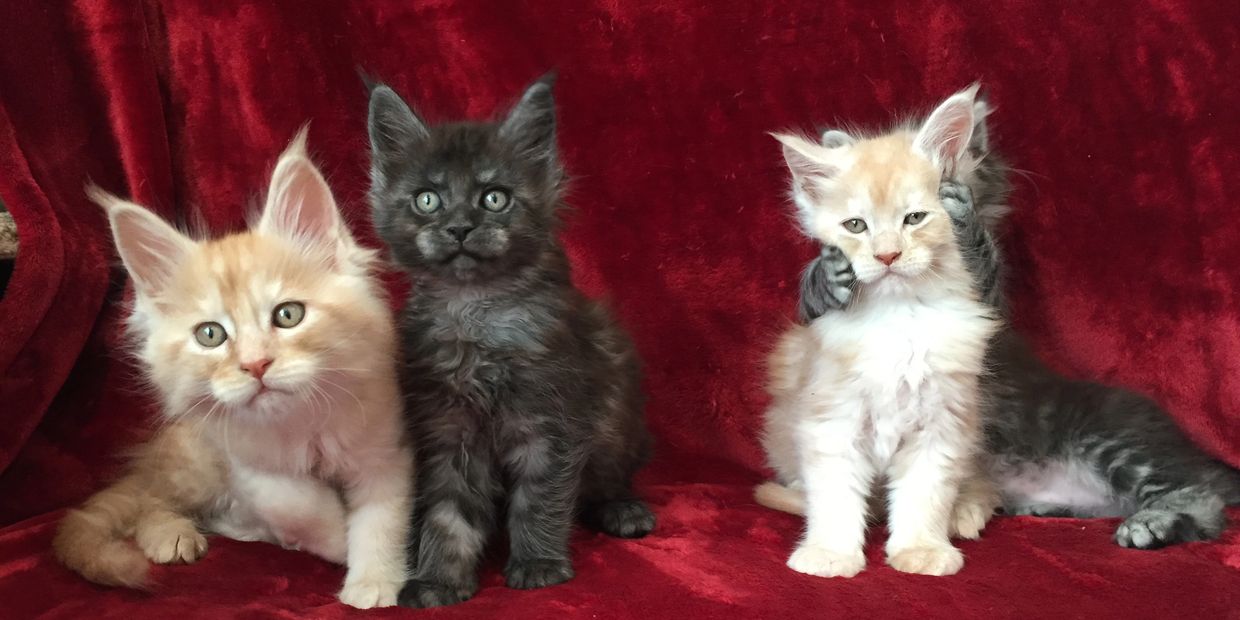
(524, 395)
(885, 390)
(1059, 447)
(273, 352)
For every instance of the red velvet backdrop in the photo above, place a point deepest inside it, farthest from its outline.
(1122, 118)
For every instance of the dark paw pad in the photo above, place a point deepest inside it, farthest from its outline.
(624, 519)
(421, 594)
(1151, 529)
(528, 574)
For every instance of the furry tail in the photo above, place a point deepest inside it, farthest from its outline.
(775, 495)
(92, 539)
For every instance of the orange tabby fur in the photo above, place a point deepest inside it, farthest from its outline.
(311, 454)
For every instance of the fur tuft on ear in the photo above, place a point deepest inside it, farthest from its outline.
(150, 248)
(393, 125)
(299, 202)
(807, 162)
(947, 132)
(530, 125)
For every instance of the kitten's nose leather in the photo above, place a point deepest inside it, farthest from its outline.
(460, 232)
(888, 258)
(256, 368)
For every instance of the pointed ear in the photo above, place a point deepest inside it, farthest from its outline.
(945, 136)
(979, 144)
(393, 125)
(150, 248)
(834, 139)
(299, 202)
(530, 125)
(806, 162)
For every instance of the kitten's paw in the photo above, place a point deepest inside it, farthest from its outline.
(629, 518)
(421, 594)
(529, 574)
(821, 562)
(368, 593)
(936, 561)
(957, 199)
(969, 518)
(1151, 529)
(175, 541)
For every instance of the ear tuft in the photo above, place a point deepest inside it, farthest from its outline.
(530, 125)
(393, 125)
(299, 202)
(151, 249)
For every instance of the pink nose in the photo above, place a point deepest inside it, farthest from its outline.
(888, 258)
(257, 368)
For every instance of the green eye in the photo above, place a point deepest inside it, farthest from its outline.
(427, 202)
(855, 225)
(495, 200)
(210, 335)
(288, 314)
(914, 218)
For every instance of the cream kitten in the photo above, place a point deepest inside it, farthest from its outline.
(273, 352)
(885, 391)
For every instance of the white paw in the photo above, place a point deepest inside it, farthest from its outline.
(173, 542)
(936, 561)
(969, 518)
(822, 562)
(369, 593)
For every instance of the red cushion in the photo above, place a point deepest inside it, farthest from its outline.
(1122, 117)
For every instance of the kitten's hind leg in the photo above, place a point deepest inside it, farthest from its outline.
(166, 537)
(1184, 515)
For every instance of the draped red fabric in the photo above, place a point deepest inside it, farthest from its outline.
(1121, 117)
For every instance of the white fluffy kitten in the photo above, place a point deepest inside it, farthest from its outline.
(884, 392)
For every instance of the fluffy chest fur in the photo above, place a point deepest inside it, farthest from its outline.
(904, 363)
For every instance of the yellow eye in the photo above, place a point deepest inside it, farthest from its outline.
(914, 218)
(854, 225)
(427, 202)
(495, 200)
(288, 314)
(210, 335)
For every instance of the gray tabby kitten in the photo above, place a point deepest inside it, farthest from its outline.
(1060, 447)
(523, 395)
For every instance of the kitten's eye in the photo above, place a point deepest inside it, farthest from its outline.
(210, 335)
(288, 314)
(914, 218)
(855, 225)
(495, 200)
(427, 202)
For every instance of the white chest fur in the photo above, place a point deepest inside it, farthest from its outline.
(904, 363)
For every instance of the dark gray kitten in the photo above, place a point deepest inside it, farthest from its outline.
(524, 396)
(1061, 447)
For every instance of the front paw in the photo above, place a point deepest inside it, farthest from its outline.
(529, 574)
(621, 518)
(369, 593)
(422, 594)
(935, 560)
(826, 284)
(821, 562)
(957, 199)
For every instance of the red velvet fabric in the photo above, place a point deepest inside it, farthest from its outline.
(1121, 115)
